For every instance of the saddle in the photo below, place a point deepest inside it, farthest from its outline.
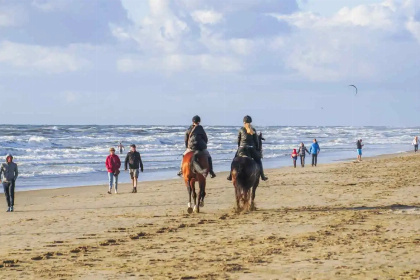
(244, 152)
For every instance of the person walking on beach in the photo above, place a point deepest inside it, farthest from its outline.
(359, 146)
(196, 140)
(294, 157)
(8, 175)
(113, 165)
(133, 161)
(416, 144)
(120, 148)
(302, 152)
(314, 151)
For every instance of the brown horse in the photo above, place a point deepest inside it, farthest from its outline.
(245, 179)
(195, 168)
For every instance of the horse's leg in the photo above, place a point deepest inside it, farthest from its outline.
(246, 198)
(188, 183)
(194, 193)
(237, 192)
(197, 206)
(202, 193)
(238, 196)
(254, 189)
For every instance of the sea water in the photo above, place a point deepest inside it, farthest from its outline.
(64, 156)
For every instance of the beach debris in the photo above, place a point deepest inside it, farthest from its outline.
(138, 235)
(9, 263)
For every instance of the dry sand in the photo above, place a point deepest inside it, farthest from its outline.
(337, 221)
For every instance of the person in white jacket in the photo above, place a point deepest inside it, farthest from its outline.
(416, 144)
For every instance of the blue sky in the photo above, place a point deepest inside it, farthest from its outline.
(284, 62)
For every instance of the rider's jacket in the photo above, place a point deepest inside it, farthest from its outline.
(248, 140)
(196, 138)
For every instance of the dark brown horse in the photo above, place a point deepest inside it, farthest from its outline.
(195, 168)
(245, 178)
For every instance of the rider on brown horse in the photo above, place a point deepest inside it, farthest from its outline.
(248, 145)
(196, 140)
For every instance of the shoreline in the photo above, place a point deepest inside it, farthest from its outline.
(220, 173)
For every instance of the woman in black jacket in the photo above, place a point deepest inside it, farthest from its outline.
(248, 145)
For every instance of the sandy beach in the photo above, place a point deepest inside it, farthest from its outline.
(336, 221)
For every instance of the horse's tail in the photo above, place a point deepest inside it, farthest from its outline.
(243, 180)
(196, 165)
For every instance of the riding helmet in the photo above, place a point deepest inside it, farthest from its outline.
(196, 119)
(247, 119)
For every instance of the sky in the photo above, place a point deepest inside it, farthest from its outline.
(160, 62)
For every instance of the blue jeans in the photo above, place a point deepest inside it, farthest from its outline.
(112, 178)
(9, 192)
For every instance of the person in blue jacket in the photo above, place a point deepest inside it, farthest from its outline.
(314, 151)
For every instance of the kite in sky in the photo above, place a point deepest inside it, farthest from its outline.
(354, 87)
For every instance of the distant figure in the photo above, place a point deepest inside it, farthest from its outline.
(9, 173)
(113, 165)
(294, 157)
(121, 148)
(314, 150)
(416, 144)
(359, 146)
(302, 152)
(133, 161)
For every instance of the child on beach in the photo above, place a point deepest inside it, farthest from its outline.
(416, 144)
(113, 165)
(294, 157)
(359, 147)
(302, 152)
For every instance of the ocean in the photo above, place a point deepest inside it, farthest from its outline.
(65, 156)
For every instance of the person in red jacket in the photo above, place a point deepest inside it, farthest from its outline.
(294, 157)
(113, 165)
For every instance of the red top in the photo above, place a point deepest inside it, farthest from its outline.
(112, 163)
(294, 153)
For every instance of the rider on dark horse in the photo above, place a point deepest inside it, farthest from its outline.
(248, 145)
(196, 140)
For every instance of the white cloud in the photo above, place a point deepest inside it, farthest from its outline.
(414, 27)
(6, 19)
(179, 63)
(50, 5)
(190, 35)
(70, 97)
(11, 15)
(352, 44)
(207, 16)
(38, 58)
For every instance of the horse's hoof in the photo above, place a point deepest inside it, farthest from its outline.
(202, 204)
(195, 209)
(190, 210)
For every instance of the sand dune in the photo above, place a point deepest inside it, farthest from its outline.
(338, 221)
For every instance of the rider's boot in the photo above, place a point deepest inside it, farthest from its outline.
(229, 178)
(212, 174)
(263, 177)
(180, 169)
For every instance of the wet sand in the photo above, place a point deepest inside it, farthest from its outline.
(337, 221)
